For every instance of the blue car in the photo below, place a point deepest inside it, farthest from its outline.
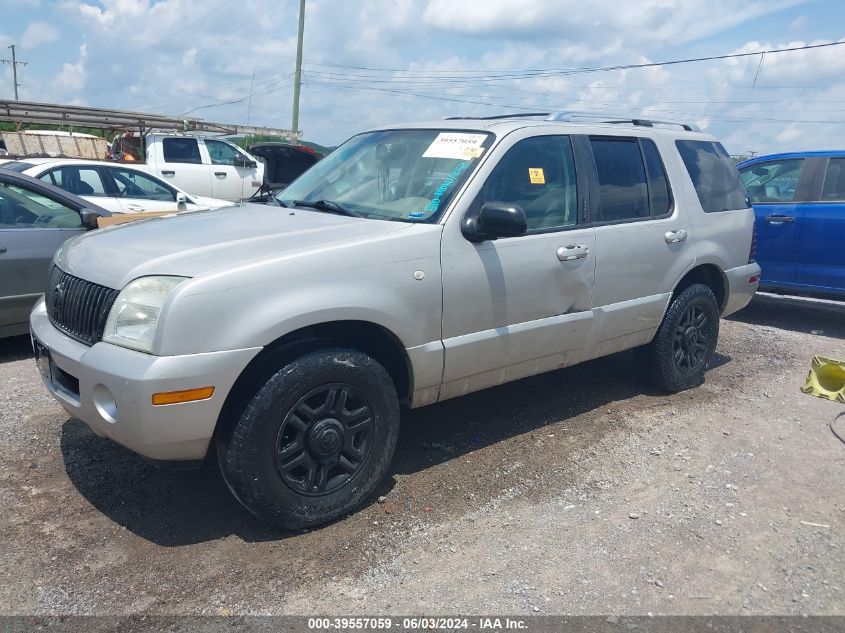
(799, 201)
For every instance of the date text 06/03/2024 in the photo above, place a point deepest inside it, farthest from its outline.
(414, 623)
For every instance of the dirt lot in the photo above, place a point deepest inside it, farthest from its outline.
(577, 492)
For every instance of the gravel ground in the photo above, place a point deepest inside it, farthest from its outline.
(577, 492)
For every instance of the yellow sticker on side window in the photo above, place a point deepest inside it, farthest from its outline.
(536, 175)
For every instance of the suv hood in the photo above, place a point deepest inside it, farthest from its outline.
(190, 244)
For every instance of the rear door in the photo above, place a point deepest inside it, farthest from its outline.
(776, 191)
(86, 181)
(32, 227)
(183, 166)
(642, 239)
(820, 259)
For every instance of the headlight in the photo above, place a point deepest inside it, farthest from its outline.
(133, 318)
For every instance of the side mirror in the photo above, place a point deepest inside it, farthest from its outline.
(495, 220)
(242, 161)
(181, 202)
(89, 217)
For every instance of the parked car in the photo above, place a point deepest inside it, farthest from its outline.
(283, 163)
(35, 219)
(118, 188)
(200, 165)
(799, 201)
(411, 265)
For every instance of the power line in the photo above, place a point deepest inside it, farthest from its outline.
(545, 72)
(552, 107)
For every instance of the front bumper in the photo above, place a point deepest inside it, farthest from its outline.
(740, 289)
(110, 388)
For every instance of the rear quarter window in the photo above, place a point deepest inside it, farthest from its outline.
(714, 176)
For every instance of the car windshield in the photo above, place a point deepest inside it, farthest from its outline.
(404, 175)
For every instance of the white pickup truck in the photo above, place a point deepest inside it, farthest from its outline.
(202, 166)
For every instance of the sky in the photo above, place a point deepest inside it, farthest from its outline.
(369, 63)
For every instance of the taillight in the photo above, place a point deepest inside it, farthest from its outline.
(752, 252)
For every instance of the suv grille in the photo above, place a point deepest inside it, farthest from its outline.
(77, 307)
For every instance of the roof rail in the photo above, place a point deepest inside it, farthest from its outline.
(515, 115)
(571, 115)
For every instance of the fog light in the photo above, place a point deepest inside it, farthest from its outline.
(105, 404)
(188, 395)
(753, 279)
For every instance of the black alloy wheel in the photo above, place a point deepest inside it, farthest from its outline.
(324, 439)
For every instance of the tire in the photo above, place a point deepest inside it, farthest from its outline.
(314, 441)
(683, 347)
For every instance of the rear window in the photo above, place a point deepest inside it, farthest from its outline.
(18, 166)
(631, 178)
(181, 150)
(714, 176)
(834, 181)
(623, 191)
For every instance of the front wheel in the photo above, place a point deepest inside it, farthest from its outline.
(314, 441)
(685, 341)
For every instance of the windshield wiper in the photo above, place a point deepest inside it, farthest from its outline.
(329, 206)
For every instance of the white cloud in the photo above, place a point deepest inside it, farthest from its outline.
(72, 76)
(173, 56)
(38, 33)
(601, 20)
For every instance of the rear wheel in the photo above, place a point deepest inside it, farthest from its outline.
(315, 440)
(685, 341)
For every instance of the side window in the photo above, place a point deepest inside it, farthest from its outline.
(623, 189)
(772, 182)
(834, 181)
(82, 181)
(714, 175)
(538, 174)
(134, 184)
(181, 150)
(659, 194)
(24, 209)
(221, 153)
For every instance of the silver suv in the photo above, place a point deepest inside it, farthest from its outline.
(413, 264)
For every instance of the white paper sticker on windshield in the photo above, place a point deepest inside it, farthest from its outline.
(459, 145)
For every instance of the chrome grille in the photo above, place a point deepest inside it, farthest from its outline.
(77, 307)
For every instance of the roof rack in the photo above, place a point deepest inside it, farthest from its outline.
(493, 117)
(572, 115)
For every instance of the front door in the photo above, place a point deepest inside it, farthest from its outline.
(32, 227)
(773, 188)
(138, 192)
(519, 306)
(229, 181)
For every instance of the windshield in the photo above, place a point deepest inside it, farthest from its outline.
(405, 175)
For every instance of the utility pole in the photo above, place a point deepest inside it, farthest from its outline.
(14, 63)
(297, 81)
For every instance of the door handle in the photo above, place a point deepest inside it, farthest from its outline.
(779, 219)
(572, 251)
(135, 207)
(220, 173)
(674, 237)
(168, 172)
(3, 249)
